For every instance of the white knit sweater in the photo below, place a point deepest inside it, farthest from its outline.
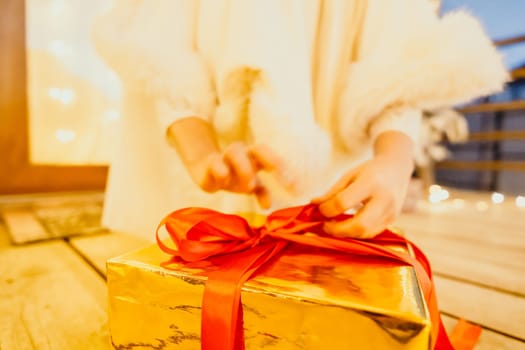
(315, 80)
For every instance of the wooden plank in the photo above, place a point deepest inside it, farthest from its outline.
(48, 199)
(480, 222)
(504, 233)
(494, 341)
(486, 246)
(50, 299)
(488, 340)
(70, 219)
(481, 165)
(48, 218)
(468, 262)
(516, 105)
(489, 236)
(481, 232)
(497, 135)
(495, 310)
(23, 226)
(99, 248)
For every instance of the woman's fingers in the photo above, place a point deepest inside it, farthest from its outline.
(211, 174)
(373, 218)
(241, 166)
(337, 187)
(264, 158)
(219, 172)
(349, 197)
(368, 222)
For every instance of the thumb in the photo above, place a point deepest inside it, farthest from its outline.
(337, 187)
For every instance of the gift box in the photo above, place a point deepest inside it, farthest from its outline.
(307, 298)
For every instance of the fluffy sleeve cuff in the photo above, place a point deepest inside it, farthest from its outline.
(417, 60)
(404, 119)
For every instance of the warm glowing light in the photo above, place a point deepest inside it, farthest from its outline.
(438, 195)
(60, 48)
(66, 96)
(111, 115)
(434, 188)
(65, 135)
(434, 198)
(498, 198)
(54, 92)
(520, 201)
(482, 206)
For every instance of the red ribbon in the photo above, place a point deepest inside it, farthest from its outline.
(240, 251)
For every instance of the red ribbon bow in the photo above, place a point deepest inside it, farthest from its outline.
(241, 250)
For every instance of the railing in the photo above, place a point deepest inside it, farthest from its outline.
(495, 110)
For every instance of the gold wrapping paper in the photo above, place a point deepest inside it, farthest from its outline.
(309, 299)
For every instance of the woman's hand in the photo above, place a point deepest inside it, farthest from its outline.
(378, 185)
(235, 170)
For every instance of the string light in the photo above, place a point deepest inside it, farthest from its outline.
(434, 188)
(111, 115)
(54, 93)
(65, 135)
(66, 96)
(437, 194)
(498, 198)
(60, 48)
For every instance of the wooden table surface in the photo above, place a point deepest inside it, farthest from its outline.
(53, 294)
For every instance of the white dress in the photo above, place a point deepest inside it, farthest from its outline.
(315, 80)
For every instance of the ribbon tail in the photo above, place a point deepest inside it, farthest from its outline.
(443, 341)
(221, 321)
(465, 335)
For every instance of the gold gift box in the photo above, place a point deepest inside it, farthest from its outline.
(308, 299)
